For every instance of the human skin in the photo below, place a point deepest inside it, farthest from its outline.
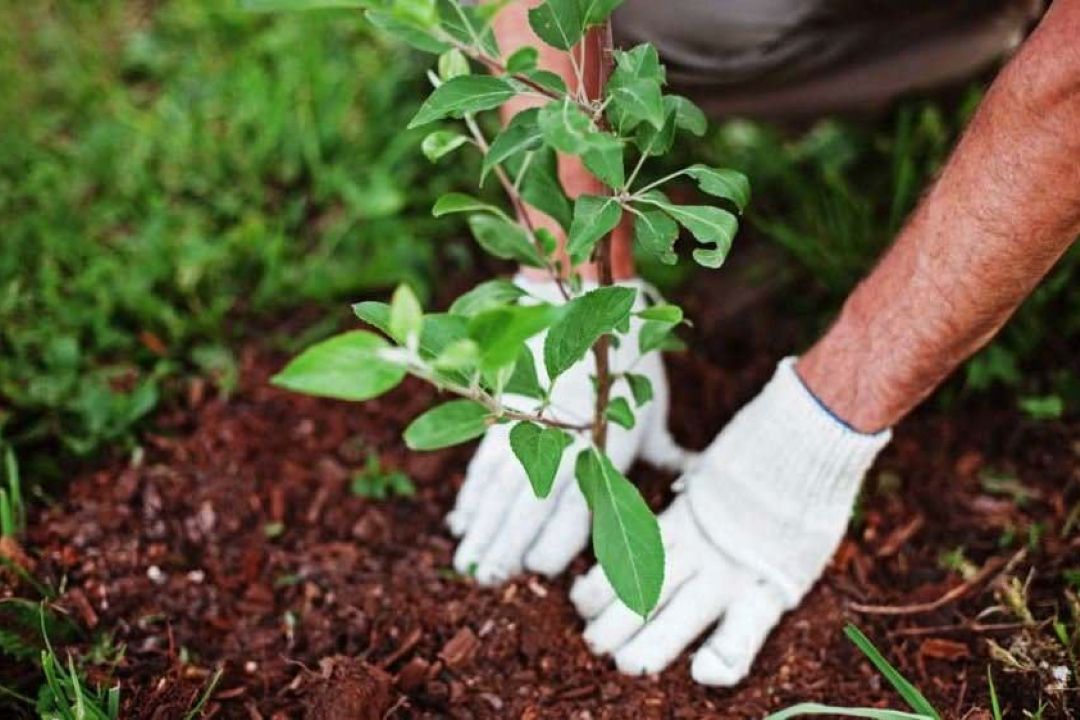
(1002, 212)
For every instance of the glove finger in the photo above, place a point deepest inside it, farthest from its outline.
(592, 593)
(726, 657)
(488, 516)
(478, 476)
(522, 523)
(563, 537)
(617, 624)
(698, 604)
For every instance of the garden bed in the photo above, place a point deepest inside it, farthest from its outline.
(235, 541)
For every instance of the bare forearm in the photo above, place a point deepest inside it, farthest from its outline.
(1005, 208)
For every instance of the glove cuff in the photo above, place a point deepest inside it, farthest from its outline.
(776, 488)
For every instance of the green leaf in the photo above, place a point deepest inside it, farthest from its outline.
(522, 59)
(915, 699)
(666, 312)
(487, 295)
(641, 61)
(346, 367)
(406, 315)
(567, 128)
(460, 95)
(409, 34)
(595, 12)
(688, 116)
(540, 451)
(460, 355)
(594, 217)
(653, 335)
(440, 329)
(819, 709)
(620, 412)
(625, 534)
(524, 381)
(452, 64)
(558, 23)
(467, 25)
(501, 332)
(456, 202)
(448, 424)
(708, 225)
(504, 239)
(605, 160)
(640, 387)
(294, 5)
(655, 142)
(638, 100)
(420, 13)
(583, 321)
(656, 233)
(541, 187)
(722, 182)
(995, 706)
(441, 142)
(520, 135)
(548, 80)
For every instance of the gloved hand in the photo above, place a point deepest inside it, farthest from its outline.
(504, 527)
(761, 514)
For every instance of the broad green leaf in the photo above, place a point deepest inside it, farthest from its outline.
(504, 239)
(819, 709)
(641, 61)
(595, 12)
(440, 329)
(441, 142)
(501, 332)
(625, 534)
(293, 5)
(467, 25)
(911, 694)
(656, 233)
(594, 217)
(448, 424)
(413, 36)
(638, 100)
(520, 135)
(688, 116)
(558, 23)
(550, 81)
(722, 182)
(620, 412)
(524, 381)
(522, 59)
(540, 451)
(486, 295)
(653, 335)
(346, 367)
(709, 226)
(567, 128)
(420, 13)
(459, 355)
(666, 312)
(541, 187)
(456, 202)
(452, 64)
(605, 160)
(640, 387)
(583, 321)
(406, 315)
(460, 95)
(655, 142)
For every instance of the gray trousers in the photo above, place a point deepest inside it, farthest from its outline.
(783, 58)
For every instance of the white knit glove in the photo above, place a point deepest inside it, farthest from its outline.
(762, 513)
(504, 527)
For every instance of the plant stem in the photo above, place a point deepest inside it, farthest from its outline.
(600, 39)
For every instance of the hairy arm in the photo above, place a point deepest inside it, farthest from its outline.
(1005, 208)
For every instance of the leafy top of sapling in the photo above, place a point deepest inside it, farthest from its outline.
(478, 351)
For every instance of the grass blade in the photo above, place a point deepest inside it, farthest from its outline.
(819, 709)
(909, 692)
(994, 705)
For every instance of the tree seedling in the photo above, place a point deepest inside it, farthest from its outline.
(477, 350)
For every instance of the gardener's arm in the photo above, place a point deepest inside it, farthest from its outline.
(1003, 211)
(770, 499)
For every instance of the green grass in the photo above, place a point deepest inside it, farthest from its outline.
(166, 168)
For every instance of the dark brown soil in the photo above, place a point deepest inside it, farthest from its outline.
(235, 542)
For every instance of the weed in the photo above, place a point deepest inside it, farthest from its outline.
(377, 483)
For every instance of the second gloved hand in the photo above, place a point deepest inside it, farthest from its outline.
(504, 528)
